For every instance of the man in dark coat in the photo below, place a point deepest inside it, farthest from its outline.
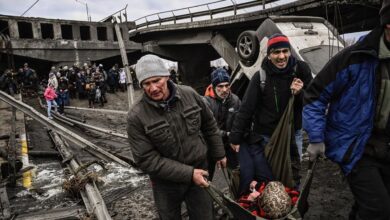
(29, 77)
(171, 133)
(224, 105)
(262, 107)
(347, 110)
(63, 94)
(113, 78)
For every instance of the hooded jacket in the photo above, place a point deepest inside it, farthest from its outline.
(50, 93)
(53, 80)
(345, 88)
(223, 110)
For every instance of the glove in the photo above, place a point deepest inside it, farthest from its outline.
(223, 133)
(315, 150)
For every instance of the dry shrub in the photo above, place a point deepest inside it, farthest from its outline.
(75, 184)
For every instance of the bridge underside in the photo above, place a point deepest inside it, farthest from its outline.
(62, 52)
(43, 60)
(346, 17)
(193, 60)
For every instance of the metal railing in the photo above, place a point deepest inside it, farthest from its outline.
(119, 16)
(157, 19)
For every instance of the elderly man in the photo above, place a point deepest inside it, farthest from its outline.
(347, 110)
(171, 132)
(264, 102)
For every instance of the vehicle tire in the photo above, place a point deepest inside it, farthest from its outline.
(248, 46)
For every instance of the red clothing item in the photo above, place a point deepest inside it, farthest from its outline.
(294, 195)
(253, 207)
(50, 94)
(210, 91)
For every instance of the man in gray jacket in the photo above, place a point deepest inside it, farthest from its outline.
(171, 132)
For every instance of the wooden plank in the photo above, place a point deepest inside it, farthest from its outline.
(76, 212)
(94, 200)
(4, 203)
(125, 62)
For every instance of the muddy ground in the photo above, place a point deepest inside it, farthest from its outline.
(329, 198)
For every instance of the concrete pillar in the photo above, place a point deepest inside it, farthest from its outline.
(76, 31)
(13, 29)
(226, 50)
(125, 32)
(57, 31)
(93, 30)
(196, 73)
(36, 29)
(110, 32)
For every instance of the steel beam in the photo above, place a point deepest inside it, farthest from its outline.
(95, 202)
(97, 110)
(64, 118)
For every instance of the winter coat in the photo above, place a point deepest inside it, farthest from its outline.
(63, 84)
(122, 77)
(345, 88)
(50, 94)
(80, 83)
(92, 93)
(97, 77)
(53, 81)
(223, 111)
(261, 109)
(168, 140)
(112, 77)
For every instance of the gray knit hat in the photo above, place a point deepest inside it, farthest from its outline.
(385, 12)
(150, 66)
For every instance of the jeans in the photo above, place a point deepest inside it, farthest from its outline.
(299, 141)
(253, 164)
(168, 198)
(67, 98)
(370, 184)
(62, 98)
(49, 104)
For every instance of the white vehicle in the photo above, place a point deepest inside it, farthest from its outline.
(312, 39)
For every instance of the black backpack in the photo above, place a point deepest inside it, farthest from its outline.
(263, 76)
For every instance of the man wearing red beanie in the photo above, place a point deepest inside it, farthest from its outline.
(262, 107)
(353, 88)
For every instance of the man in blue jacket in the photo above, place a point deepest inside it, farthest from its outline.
(354, 90)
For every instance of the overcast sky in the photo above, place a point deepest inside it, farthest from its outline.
(98, 9)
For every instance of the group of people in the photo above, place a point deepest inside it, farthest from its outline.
(178, 137)
(88, 82)
(84, 82)
(25, 78)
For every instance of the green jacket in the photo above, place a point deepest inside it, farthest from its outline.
(169, 144)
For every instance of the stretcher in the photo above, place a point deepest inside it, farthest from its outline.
(234, 211)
